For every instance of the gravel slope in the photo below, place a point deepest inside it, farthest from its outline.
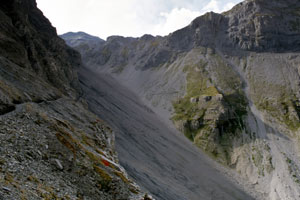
(159, 158)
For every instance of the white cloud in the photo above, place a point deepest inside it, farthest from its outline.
(174, 20)
(217, 6)
(127, 17)
(179, 18)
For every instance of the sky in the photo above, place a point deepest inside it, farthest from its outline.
(132, 18)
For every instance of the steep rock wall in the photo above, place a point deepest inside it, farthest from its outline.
(52, 147)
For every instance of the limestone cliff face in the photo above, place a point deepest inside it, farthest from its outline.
(229, 82)
(29, 40)
(251, 25)
(260, 25)
(52, 147)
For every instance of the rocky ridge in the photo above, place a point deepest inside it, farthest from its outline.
(52, 146)
(229, 82)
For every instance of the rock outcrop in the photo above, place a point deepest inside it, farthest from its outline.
(52, 147)
(229, 82)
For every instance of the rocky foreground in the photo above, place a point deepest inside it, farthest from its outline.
(51, 145)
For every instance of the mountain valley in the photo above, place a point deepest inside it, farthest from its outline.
(229, 82)
(210, 111)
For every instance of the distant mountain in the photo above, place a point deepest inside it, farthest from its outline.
(229, 82)
(76, 38)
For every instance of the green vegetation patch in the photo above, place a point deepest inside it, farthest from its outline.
(196, 87)
(295, 25)
(286, 110)
(209, 118)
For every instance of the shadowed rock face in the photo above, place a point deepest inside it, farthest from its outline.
(29, 40)
(52, 146)
(229, 82)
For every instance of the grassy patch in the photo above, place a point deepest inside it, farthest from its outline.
(208, 118)
(196, 87)
(282, 109)
(295, 25)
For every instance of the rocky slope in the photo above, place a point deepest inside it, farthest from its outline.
(229, 82)
(158, 157)
(52, 147)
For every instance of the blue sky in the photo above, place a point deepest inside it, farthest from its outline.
(134, 18)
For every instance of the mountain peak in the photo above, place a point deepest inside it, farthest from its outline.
(73, 38)
(253, 25)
